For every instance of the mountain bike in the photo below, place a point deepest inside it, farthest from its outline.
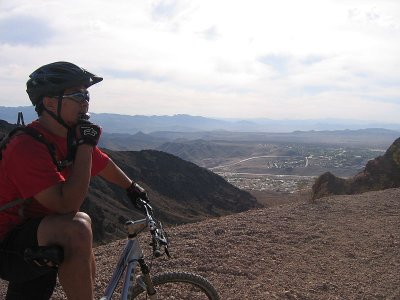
(167, 285)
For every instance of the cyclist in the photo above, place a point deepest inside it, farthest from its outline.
(53, 185)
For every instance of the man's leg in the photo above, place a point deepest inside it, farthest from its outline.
(40, 288)
(26, 281)
(73, 232)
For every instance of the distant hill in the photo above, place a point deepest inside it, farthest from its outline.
(380, 173)
(124, 141)
(201, 151)
(195, 146)
(199, 146)
(117, 123)
(5, 127)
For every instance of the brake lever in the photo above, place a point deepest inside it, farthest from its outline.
(160, 238)
(167, 251)
(147, 207)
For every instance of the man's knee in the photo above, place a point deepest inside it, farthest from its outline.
(79, 231)
(72, 230)
(83, 216)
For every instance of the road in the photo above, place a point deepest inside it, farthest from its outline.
(250, 158)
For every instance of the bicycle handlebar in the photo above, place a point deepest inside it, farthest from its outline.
(158, 236)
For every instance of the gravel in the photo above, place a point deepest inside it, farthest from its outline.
(341, 247)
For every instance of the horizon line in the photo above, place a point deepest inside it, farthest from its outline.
(235, 118)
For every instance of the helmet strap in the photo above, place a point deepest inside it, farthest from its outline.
(71, 139)
(58, 116)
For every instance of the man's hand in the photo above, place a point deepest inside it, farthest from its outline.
(87, 133)
(136, 192)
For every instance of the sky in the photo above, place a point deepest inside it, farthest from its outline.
(285, 59)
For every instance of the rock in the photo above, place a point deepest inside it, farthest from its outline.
(380, 173)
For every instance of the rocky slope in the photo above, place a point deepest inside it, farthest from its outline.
(380, 173)
(338, 247)
(180, 191)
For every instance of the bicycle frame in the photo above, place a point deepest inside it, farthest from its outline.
(128, 260)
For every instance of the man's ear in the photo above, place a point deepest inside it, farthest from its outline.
(50, 103)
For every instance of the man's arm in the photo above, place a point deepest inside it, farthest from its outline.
(67, 197)
(112, 173)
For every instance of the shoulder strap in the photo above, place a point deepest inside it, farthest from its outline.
(35, 134)
(11, 204)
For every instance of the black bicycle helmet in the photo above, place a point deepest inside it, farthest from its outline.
(53, 79)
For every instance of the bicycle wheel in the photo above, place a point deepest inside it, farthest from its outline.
(178, 285)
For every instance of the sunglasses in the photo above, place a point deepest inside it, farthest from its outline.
(78, 96)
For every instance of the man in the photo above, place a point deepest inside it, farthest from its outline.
(53, 185)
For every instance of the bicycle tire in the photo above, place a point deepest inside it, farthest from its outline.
(172, 285)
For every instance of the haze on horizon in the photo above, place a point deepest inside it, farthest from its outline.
(310, 59)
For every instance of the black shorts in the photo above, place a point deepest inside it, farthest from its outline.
(13, 267)
(26, 281)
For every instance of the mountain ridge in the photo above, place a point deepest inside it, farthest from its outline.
(122, 123)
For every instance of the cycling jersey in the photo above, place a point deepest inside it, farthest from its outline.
(27, 168)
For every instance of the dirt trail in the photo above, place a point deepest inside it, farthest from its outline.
(342, 247)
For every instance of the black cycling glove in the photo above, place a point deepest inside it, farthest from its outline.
(87, 133)
(136, 192)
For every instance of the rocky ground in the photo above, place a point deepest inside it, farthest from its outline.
(340, 247)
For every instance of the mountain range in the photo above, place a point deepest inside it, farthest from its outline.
(117, 123)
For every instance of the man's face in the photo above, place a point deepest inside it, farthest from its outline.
(75, 103)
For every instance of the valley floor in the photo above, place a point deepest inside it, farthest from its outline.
(342, 247)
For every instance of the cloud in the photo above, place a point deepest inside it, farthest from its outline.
(25, 30)
(255, 58)
(132, 74)
(278, 62)
(315, 89)
(210, 33)
(164, 9)
(312, 59)
(375, 17)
